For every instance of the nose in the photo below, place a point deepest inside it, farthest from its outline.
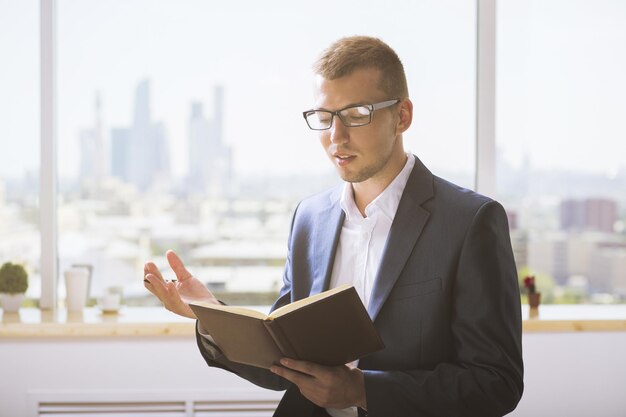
(339, 133)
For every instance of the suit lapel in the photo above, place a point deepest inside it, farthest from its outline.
(327, 230)
(406, 228)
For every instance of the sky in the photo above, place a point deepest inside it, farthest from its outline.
(560, 84)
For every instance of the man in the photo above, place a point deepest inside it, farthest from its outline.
(432, 262)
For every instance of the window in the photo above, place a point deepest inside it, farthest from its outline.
(560, 138)
(180, 127)
(19, 138)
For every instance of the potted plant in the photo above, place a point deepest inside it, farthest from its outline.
(13, 285)
(534, 297)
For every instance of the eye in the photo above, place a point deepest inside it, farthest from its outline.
(362, 111)
(323, 116)
(355, 112)
(357, 115)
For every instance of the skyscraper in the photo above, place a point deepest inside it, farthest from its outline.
(148, 153)
(87, 153)
(92, 150)
(598, 214)
(120, 153)
(199, 133)
(210, 161)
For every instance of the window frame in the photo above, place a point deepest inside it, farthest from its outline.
(484, 181)
(48, 165)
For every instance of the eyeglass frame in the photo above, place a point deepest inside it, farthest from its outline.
(372, 108)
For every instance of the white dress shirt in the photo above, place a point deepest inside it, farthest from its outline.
(360, 248)
(362, 242)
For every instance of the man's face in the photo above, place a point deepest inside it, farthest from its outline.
(372, 152)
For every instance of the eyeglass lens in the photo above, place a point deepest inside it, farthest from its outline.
(350, 117)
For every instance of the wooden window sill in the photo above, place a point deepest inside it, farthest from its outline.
(92, 322)
(156, 321)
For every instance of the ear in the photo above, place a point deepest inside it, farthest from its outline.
(405, 109)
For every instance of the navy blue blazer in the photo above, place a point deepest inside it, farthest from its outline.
(445, 302)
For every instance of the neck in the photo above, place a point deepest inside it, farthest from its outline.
(365, 192)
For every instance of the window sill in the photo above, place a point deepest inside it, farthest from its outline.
(158, 322)
(575, 318)
(92, 322)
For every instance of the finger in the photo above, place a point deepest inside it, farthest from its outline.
(177, 266)
(151, 268)
(302, 367)
(155, 285)
(166, 292)
(296, 377)
(175, 302)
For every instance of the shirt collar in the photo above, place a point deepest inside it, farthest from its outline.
(347, 203)
(387, 201)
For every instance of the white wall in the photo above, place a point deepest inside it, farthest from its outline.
(567, 374)
(160, 368)
(574, 374)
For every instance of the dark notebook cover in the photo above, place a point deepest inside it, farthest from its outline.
(330, 328)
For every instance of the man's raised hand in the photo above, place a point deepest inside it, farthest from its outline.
(176, 295)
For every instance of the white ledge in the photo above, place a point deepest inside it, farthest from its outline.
(156, 321)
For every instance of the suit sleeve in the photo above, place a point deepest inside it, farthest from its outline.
(485, 377)
(258, 376)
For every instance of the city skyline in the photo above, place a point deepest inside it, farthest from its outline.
(539, 114)
(189, 89)
(138, 155)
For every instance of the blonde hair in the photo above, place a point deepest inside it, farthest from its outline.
(348, 54)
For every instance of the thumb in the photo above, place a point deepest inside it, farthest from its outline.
(177, 266)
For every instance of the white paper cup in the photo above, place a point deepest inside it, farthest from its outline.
(76, 285)
(109, 302)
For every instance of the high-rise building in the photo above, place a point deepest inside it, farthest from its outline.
(199, 131)
(597, 214)
(601, 214)
(596, 256)
(92, 150)
(120, 153)
(608, 270)
(148, 153)
(210, 161)
(87, 153)
(519, 244)
(161, 162)
(142, 114)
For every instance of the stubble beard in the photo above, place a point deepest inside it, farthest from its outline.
(366, 172)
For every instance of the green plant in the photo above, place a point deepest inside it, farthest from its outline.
(13, 279)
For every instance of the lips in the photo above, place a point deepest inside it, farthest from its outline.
(343, 159)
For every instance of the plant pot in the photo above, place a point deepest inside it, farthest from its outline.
(534, 299)
(11, 302)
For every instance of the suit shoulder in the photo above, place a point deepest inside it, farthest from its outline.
(458, 200)
(309, 210)
(320, 201)
(447, 190)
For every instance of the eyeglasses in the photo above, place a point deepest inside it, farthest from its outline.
(351, 116)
